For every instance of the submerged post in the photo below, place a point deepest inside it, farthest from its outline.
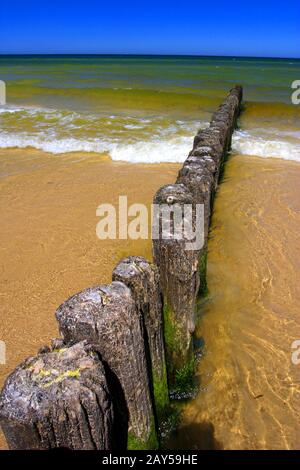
(59, 399)
(108, 318)
(142, 278)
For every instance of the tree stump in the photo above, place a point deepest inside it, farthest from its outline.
(58, 399)
(108, 318)
(143, 280)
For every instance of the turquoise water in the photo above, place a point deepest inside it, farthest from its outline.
(145, 108)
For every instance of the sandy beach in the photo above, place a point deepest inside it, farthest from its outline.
(49, 247)
(249, 394)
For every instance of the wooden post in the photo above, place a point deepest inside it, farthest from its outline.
(183, 272)
(108, 318)
(58, 399)
(200, 180)
(201, 170)
(142, 278)
(179, 281)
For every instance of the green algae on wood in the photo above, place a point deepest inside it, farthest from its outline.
(142, 278)
(151, 443)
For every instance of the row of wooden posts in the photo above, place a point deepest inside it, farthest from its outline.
(105, 383)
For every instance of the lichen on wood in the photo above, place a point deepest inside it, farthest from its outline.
(58, 399)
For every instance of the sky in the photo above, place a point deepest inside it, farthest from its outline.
(193, 27)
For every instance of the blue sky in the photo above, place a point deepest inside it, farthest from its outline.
(252, 28)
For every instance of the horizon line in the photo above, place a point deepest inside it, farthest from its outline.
(143, 55)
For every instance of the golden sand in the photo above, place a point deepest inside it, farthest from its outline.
(250, 394)
(49, 248)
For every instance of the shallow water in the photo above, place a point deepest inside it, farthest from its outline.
(249, 388)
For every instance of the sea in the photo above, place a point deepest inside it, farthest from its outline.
(145, 109)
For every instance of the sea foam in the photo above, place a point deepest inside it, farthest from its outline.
(171, 150)
(245, 143)
(161, 150)
(133, 139)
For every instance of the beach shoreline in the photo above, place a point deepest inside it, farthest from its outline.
(49, 251)
(49, 248)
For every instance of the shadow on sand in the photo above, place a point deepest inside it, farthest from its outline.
(198, 436)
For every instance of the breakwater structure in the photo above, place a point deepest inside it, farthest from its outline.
(105, 383)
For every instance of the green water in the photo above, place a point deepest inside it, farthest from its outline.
(143, 108)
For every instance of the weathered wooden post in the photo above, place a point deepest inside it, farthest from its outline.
(142, 278)
(108, 318)
(181, 271)
(58, 399)
(201, 171)
(225, 118)
(179, 278)
(199, 178)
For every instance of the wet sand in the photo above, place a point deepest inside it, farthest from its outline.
(250, 390)
(250, 396)
(48, 244)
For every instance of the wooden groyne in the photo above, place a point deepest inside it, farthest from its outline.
(104, 384)
(183, 272)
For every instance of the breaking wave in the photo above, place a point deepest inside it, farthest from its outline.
(246, 143)
(150, 139)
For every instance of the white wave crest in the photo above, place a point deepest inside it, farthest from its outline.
(161, 151)
(169, 150)
(248, 144)
(60, 131)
